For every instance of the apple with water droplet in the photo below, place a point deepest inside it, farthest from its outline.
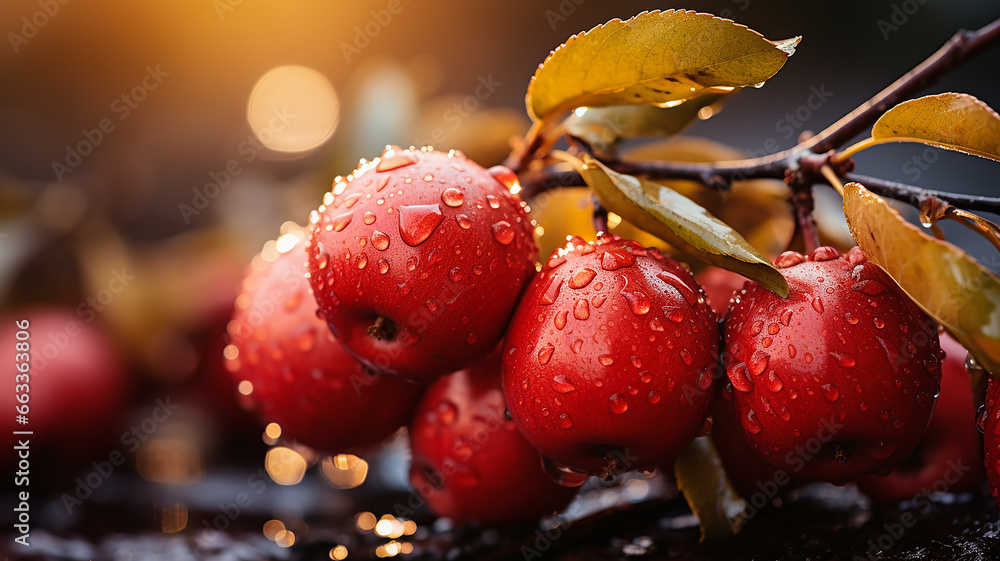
(950, 456)
(470, 463)
(293, 372)
(611, 359)
(839, 379)
(417, 259)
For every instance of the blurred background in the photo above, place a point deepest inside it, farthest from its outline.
(149, 150)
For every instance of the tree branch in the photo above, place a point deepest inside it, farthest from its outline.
(960, 48)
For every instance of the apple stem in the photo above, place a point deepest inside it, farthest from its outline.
(841, 452)
(382, 329)
(611, 467)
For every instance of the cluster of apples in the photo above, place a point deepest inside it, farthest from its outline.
(415, 299)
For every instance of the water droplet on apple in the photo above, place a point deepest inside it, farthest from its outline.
(417, 222)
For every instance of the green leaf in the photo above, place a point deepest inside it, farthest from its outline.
(948, 284)
(604, 127)
(656, 58)
(678, 221)
(712, 498)
(953, 121)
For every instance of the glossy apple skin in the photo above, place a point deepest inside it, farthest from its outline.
(847, 362)
(754, 479)
(626, 363)
(991, 436)
(431, 242)
(470, 463)
(951, 452)
(302, 378)
(78, 387)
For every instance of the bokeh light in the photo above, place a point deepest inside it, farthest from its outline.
(293, 109)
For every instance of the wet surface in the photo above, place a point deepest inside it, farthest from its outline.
(621, 522)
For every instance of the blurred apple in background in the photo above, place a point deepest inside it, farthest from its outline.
(79, 388)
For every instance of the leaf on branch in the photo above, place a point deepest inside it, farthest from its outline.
(678, 221)
(708, 491)
(953, 121)
(655, 58)
(947, 283)
(604, 127)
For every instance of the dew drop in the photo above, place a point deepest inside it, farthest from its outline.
(551, 291)
(455, 274)
(637, 300)
(758, 362)
(791, 351)
(577, 345)
(869, 287)
(464, 221)
(850, 319)
(704, 379)
(493, 201)
(830, 392)
(844, 359)
(383, 266)
(786, 317)
(756, 328)
(340, 222)
(636, 362)
(653, 397)
(561, 385)
(582, 278)
(581, 310)
(417, 222)
(380, 240)
(503, 232)
(617, 404)
(560, 319)
(786, 415)
(817, 305)
(750, 422)
(686, 357)
(452, 197)
(545, 353)
(615, 259)
(740, 377)
(606, 360)
(368, 217)
(774, 383)
(360, 260)
(390, 161)
(565, 421)
(981, 416)
(879, 324)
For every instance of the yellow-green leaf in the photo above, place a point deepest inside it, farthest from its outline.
(655, 58)
(953, 121)
(678, 221)
(948, 284)
(603, 127)
(706, 487)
